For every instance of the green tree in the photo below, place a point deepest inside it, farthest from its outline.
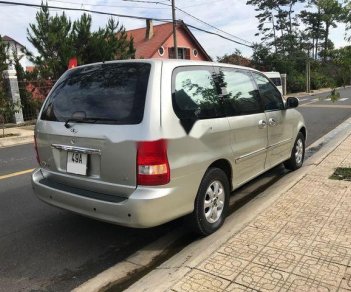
(277, 22)
(57, 40)
(236, 59)
(107, 43)
(30, 105)
(314, 31)
(262, 58)
(3, 56)
(342, 59)
(346, 18)
(50, 36)
(7, 107)
(331, 12)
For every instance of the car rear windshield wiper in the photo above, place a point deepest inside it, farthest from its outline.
(88, 120)
(78, 120)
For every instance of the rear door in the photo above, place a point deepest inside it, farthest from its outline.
(280, 127)
(195, 103)
(89, 125)
(247, 121)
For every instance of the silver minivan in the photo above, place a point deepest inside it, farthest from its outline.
(142, 142)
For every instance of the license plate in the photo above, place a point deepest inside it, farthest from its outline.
(77, 163)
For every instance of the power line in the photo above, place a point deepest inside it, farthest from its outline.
(217, 34)
(201, 4)
(86, 10)
(210, 25)
(145, 1)
(137, 17)
(192, 16)
(105, 5)
(184, 12)
(122, 16)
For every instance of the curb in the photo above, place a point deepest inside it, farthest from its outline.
(174, 269)
(137, 262)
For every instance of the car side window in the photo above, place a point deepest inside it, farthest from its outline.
(239, 93)
(195, 93)
(271, 96)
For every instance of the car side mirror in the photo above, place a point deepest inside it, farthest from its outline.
(292, 102)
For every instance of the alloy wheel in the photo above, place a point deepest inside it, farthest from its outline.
(214, 201)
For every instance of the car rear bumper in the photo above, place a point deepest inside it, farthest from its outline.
(145, 207)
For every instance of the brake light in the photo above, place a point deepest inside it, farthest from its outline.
(36, 149)
(152, 163)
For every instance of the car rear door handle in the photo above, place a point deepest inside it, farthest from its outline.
(262, 124)
(272, 122)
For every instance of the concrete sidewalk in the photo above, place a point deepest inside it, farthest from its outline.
(22, 135)
(300, 241)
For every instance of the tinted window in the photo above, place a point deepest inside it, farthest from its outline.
(277, 81)
(239, 93)
(114, 93)
(271, 96)
(195, 94)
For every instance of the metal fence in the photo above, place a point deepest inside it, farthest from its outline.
(33, 94)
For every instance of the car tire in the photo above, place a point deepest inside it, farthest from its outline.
(211, 203)
(297, 153)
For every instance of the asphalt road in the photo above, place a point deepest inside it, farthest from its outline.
(46, 249)
(321, 115)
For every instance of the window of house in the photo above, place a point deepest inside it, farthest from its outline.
(161, 51)
(183, 53)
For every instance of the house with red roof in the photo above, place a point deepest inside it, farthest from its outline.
(156, 41)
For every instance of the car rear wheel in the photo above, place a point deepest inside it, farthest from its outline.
(211, 202)
(297, 153)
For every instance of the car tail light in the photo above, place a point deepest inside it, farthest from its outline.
(36, 149)
(152, 163)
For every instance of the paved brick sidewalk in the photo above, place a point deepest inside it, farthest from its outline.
(23, 135)
(300, 243)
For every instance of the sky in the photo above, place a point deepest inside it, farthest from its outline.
(232, 16)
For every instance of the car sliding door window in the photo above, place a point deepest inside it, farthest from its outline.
(195, 93)
(239, 93)
(272, 98)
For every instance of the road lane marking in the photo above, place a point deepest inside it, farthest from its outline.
(326, 105)
(16, 173)
(341, 99)
(312, 101)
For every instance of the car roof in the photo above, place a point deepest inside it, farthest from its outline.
(171, 62)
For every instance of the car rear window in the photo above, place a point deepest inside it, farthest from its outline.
(112, 93)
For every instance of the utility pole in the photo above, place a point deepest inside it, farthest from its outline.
(174, 31)
(308, 76)
(284, 81)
